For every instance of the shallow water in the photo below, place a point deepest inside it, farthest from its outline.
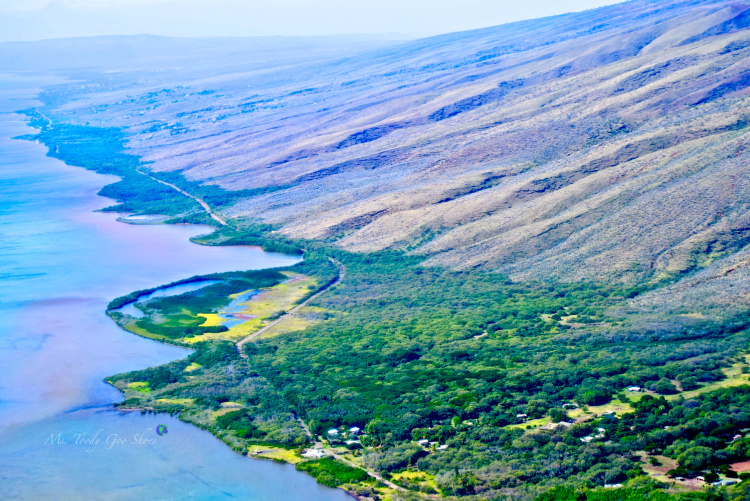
(60, 264)
(174, 290)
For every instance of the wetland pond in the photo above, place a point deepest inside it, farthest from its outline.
(61, 262)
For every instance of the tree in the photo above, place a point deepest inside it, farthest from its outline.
(711, 477)
(664, 386)
(696, 458)
(561, 494)
(558, 415)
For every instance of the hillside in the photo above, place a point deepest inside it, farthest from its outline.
(523, 223)
(548, 148)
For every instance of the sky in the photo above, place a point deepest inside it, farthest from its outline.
(43, 19)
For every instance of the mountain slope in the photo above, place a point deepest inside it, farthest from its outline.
(555, 147)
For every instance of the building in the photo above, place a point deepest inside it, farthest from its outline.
(333, 432)
(725, 481)
(354, 430)
(313, 453)
(634, 388)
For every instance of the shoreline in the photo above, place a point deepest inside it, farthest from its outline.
(163, 220)
(226, 438)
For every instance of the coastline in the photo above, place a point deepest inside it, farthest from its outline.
(168, 220)
(477, 342)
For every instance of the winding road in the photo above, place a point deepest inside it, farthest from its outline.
(203, 204)
(290, 313)
(342, 272)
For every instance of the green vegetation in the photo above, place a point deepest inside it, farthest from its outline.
(649, 492)
(102, 149)
(410, 353)
(243, 232)
(184, 318)
(470, 361)
(333, 473)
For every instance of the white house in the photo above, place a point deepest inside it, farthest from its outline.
(354, 430)
(314, 453)
(634, 388)
(333, 432)
(424, 442)
(725, 481)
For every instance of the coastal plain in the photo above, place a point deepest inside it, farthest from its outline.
(525, 248)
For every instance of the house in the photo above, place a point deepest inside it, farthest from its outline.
(333, 432)
(424, 442)
(521, 416)
(554, 426)
(314, 453)
(587, 439)
(352, 442)
(354, 430)
(634, 388)
(442, 447)
(725, 481)
(612, 486)
(736, 437)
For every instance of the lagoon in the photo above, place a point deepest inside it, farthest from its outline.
(61, 262)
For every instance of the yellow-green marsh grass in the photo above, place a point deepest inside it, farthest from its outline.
(179, 401)
(139, 386)
(258, 308)
(415, 476)
(275, 453)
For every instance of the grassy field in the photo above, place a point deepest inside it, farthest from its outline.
(734, 377)
(302, 319)
(202, 317)
(416, 481)
(139, 386)
(257, 310)
(279, 454)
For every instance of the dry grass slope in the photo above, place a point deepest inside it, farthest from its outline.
(612, 142)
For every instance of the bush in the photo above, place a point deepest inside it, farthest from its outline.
(696, 458)
(664, 386)
(711, 477)
(333, 473)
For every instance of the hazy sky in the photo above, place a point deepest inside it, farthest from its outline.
(38, 19)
